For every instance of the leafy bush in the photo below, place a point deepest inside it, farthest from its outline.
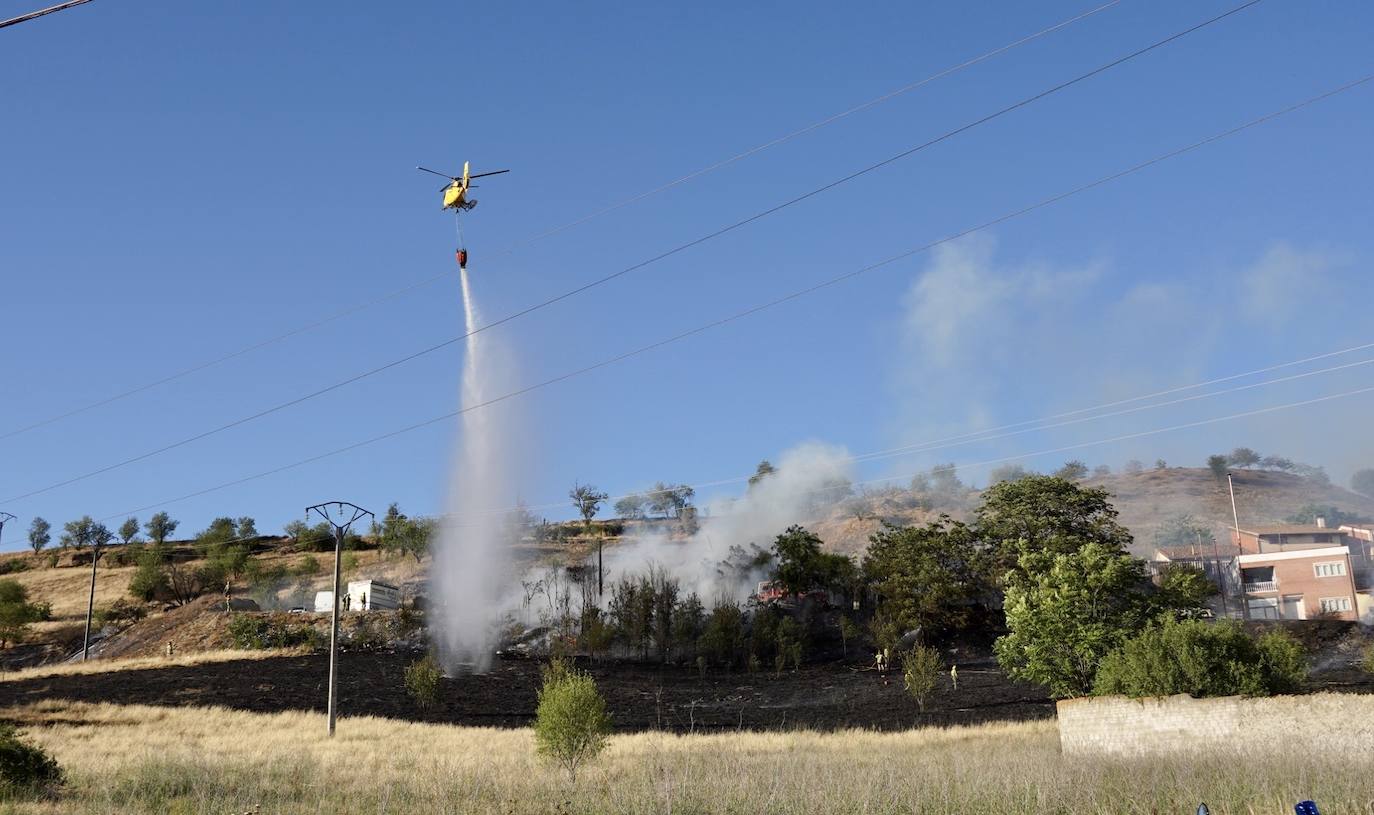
(307, 566)
(570, 723)
(422, 682)
(1200, 660)
(150, 579)
(13, 565)
(921, 670)
(724, 634)
(25, 769)
(120, 611)
(16, 612)
(260, 633)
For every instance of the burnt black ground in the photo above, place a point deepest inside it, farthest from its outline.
(639, 696)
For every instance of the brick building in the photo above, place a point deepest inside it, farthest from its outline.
(1299, 583)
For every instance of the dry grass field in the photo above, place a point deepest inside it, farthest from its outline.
(134, 759)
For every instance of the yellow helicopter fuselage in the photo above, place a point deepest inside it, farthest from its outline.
(456, 194)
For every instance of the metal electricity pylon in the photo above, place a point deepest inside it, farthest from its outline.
(341, 515)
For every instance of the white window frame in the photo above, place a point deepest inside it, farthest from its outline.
(1335, 605)
(1335, 568)
(1263, 608)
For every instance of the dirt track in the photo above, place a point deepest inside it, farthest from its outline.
(639, 697)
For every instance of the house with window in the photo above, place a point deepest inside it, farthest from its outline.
(1299, 583)
(1284, 537)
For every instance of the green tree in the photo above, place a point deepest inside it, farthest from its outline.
(1277, 463)
(150, 577)
(724, 634)
(669, 499)
(99, 536)
(1161, 464)
(587, 500)
(1074, 470)
(1183, 590)
(1332, 515)
(761, 472)
(631, 506)
(1243, 457)
(39, 534)
(1183, 531)
(1219, 465)
(16, 612)
(77, 534)
(160, 527)
(928, 576)
(802, 565)
(128, 530)
(1134, 467)
(297, 531)
(1202, 659)
(1007, 472)
(246, 528)
(1067, 610)
(1363, 482)
(1046, 514)
(570, 722)
(405, 536)
(921, 671)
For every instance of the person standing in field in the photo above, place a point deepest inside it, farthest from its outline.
(954, 675)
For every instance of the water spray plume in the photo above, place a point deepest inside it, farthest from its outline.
(470, 561)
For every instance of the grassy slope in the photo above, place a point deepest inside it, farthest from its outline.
(158, 760)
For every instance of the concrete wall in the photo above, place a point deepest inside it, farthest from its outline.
(1115, 725)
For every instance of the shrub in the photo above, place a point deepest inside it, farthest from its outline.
(723, 635)
(1368, 662)
(150, 580)
(120, 611)
(422, 682)
(52, 560)
(307, 566)
(13, 565)
(570, 723)
(1201, 660)
(259, 633)
(921, 670)
(25, 769)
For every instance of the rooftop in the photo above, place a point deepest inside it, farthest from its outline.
(1290, 529)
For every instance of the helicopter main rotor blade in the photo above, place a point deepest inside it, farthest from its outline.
(484, 175)
(436, 172)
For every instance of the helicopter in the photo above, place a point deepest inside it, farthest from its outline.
(456, 191)
(456, 198)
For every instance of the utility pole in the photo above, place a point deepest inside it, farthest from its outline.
(4, 518)
(99, 536)
(341, 515)
(1235, 517)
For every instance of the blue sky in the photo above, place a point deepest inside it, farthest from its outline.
(185, 180)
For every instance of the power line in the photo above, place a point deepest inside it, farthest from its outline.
(642, 264)
(1017, 457)
(33, 15)
(682, 180)
(808, 128)
(797, 294)
(227, 357)
(991, 434)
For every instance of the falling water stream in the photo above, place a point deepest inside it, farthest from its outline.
(470, 561)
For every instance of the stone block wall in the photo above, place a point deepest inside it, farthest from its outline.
(1116, 725)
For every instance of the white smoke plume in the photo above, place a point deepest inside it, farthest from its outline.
(801, 489)
(470, 560)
